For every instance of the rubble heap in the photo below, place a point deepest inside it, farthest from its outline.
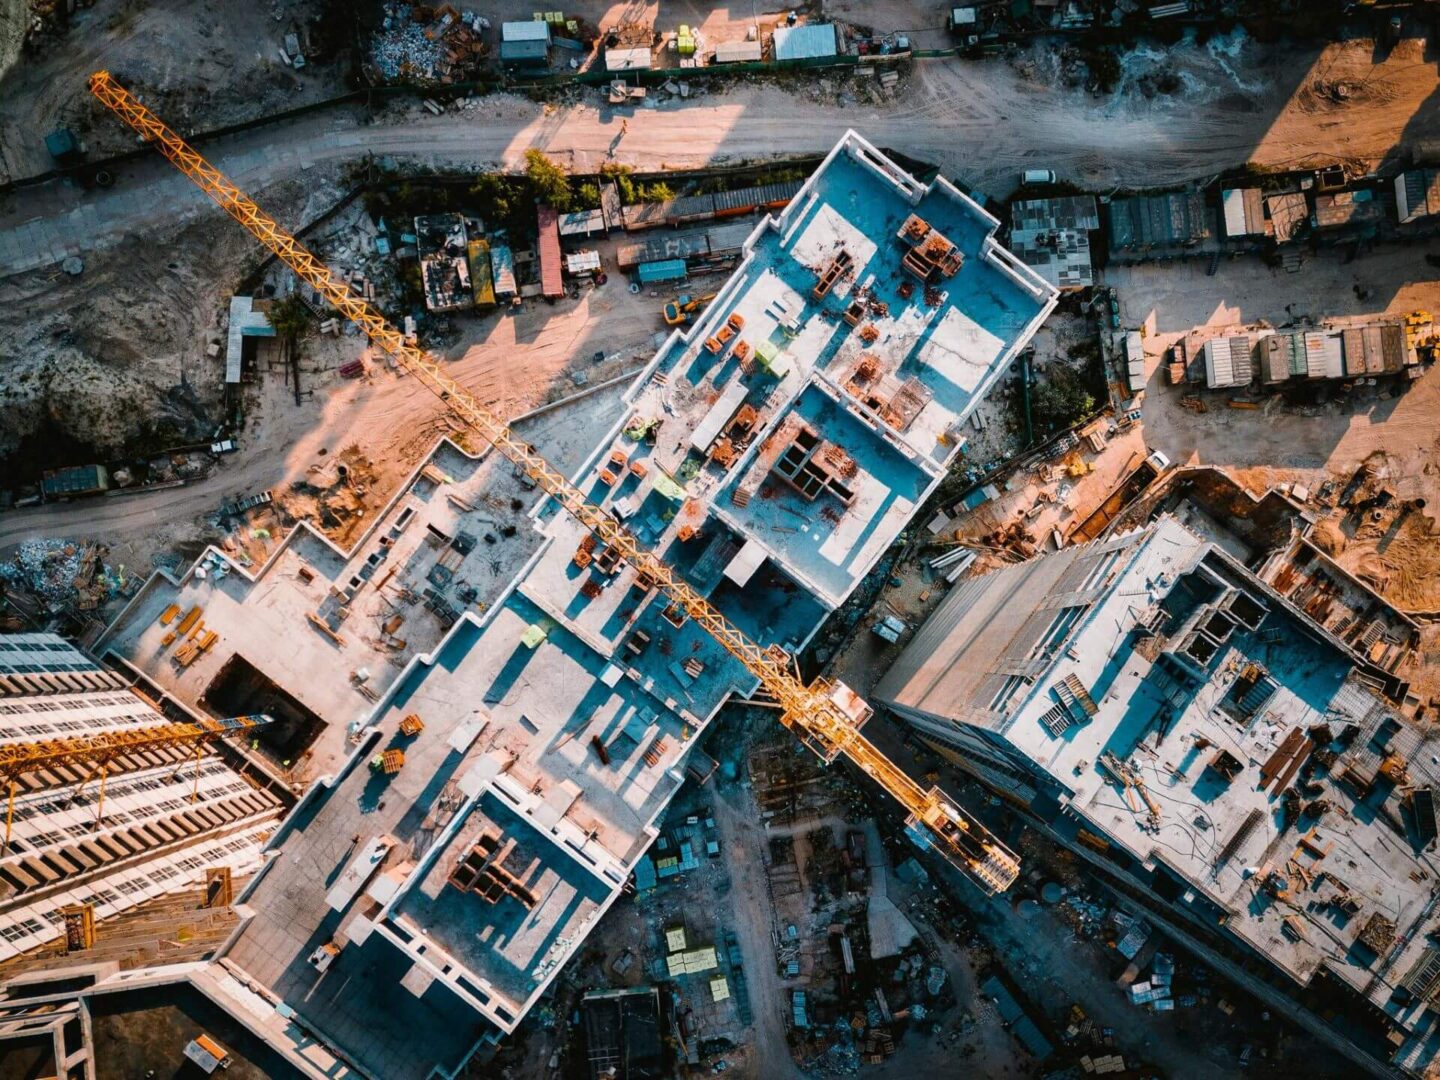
(62, 575)
(442, 50)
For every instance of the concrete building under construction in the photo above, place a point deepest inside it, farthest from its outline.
(507, 780)
(82, 853)
(1222, 757)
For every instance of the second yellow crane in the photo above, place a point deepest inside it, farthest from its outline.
(827, 716)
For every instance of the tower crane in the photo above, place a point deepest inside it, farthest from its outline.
(826, 715)
(95, 753)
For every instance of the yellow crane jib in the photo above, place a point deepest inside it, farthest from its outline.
(94, 753)
(827, 716)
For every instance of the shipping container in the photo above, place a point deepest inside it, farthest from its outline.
(552, 283)
(481, 277)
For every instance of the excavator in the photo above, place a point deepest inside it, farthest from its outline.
(685, 308)
(826, 715)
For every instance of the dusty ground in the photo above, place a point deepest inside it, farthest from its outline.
(1308, 444)
(123, 342)
(121, 349)
(201, 63)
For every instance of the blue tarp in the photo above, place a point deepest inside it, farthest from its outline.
(645, 879)
(669, 270)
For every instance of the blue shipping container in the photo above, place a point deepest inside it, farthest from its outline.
(669, 270)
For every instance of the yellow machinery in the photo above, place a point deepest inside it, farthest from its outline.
(684, 308)
(95, 753)
(827, 716)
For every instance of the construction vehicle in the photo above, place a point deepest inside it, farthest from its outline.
(826, 715)
(683, 309)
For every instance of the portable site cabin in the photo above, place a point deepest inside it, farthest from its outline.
(481, 277)
(809, 41)
(502, 267)
(583, 223)
(737, 52)
(662, 270)
(629, 59)
(525, 44)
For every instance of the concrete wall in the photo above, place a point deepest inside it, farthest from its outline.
(14, 18)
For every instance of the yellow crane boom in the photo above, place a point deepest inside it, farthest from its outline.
(826, 715)
(96, 752)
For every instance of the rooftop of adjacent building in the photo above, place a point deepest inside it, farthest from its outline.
(1280, 781)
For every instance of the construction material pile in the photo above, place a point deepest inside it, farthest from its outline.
(62, 575)
(421, 44)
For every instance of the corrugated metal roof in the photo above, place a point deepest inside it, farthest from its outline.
(1417, 194)
(481, 283)
(1324, 355)
(765, 195)
(515, 51)
(528, 30)
(1227, 362)
(645, 215)
(692, 208)
(1393, 346)
(502, 265)
(1373, 349)
(684, 245)
(1275, 358)
(1244, 213)
(582, 262)
(1146, 221)
(1353, 340)
(730, 52)
(548, 224)
(635, 59)
(667, 270)
(727, 239)
(582, 223)
(1065, 212)
(805, 42)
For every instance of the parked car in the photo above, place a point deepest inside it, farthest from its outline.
(224, 446)
(1032, 177)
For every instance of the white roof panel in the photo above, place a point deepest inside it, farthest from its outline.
(730, 52)
(528, 30)
(804, 42)
(627, 59)
(747, 560)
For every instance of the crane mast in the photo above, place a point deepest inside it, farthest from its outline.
(827, 716)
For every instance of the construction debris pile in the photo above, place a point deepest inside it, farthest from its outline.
(62, 575)
(423, 44)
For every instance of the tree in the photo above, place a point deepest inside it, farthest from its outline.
(587, 196)
(493, 193)
(623, 184)
(550, 181)
(1060, 400)
(289, 316)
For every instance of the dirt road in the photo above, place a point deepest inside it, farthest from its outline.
(979, 122)
(737, 820)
